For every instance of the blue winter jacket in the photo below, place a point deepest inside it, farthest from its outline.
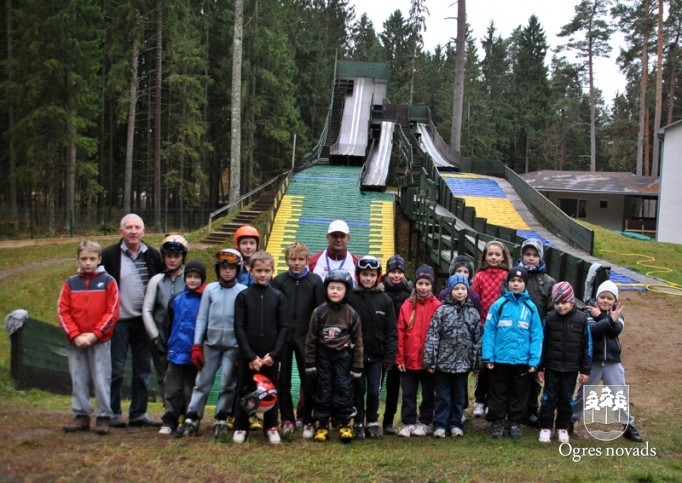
(513, 331)
(181, 321)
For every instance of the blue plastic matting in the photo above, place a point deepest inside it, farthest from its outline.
(474, 187)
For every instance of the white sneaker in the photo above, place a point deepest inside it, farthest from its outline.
(406, 431)
(420, 429)
(273, 436)
(457, 432)
(239, 436)
(439, 433)
(479, 410)
(546, 436)
(308, 431)
(562, 435)
(165, 430)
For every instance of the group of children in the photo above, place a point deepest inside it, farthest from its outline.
(512, 326)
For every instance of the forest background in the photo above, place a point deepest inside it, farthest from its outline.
(125, 105)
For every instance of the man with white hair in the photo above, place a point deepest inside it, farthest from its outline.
(132, 263)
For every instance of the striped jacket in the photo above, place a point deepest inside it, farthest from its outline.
(88, 302)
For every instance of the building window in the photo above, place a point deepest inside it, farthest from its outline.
(573, 208)
(603, 204)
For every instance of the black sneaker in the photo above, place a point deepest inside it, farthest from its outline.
(358, 431)
(117, 421)
(373, 432)
(498, 430)
(220, 429)
(515, 431)
(79, 423)
(389, 430)
(189, 427)
(632, 434)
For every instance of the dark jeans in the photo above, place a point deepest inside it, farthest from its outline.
(179, 384)
(333, 395)
(411, 381)
(508, 392)
(370, 384)
(246, 385)
(131, 332)
(451, 395)
(286, 404)
(392, 393)
(557, 395)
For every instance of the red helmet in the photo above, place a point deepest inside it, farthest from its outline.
(263, 398)
(246, 231)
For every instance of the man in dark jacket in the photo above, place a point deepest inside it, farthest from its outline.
(132, 263)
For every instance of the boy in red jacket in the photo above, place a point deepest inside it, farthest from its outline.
(88, 309)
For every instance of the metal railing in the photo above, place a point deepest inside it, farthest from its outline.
(244, 200)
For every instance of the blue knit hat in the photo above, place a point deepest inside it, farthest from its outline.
(455, 279)
(396, 262)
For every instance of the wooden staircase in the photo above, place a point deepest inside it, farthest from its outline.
(223, 235)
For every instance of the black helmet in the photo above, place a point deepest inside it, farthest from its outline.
(340, 276)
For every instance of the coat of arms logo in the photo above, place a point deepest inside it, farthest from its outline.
(607, 410)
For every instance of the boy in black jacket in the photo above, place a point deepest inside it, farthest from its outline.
(380, 341)
(399, 289)
(566, 356)
(304, 291)
(260, 325)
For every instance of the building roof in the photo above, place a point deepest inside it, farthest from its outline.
(593, 182)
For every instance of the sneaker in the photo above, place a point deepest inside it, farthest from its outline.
(321, 435)
(346, 434)
(102, 426)
(420, 429)
(479, 410)
(515, 431)
(273, 435)
(308, 431)
(533, 420)
(373, 431)
(632, 434)
(389, 430)
(546, 435)
(230, 422)
(562, 435)
(79, 423)
(457, 432)
(117, 421)
(220, 429)
(299, 424)
(358, 431)
(189, 427)
(439, 433)
(144, 421)
(239, 436)
(165, 430)
(498, 430)
(406, 431)
(288, 427)
(255, 423)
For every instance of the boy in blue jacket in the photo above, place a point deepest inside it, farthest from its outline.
(179, 325)
(511, 350)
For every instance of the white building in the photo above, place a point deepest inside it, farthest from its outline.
(670, 199)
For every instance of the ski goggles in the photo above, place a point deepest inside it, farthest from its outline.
(369, 263)
(173, 246)
(228, 257)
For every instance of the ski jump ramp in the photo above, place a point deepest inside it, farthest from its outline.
(354, 133)
(375, 172)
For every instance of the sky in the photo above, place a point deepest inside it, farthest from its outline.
(507, 15)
